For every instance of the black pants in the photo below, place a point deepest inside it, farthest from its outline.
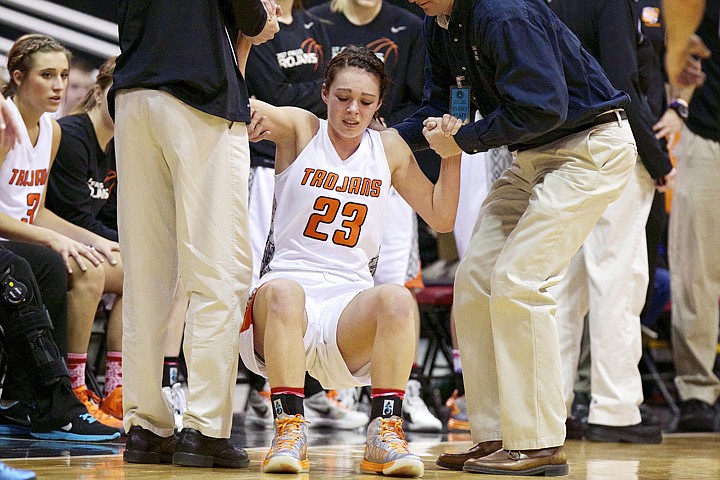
(50, 273)
(655, 230)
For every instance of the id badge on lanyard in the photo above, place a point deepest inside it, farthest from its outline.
(460, 100)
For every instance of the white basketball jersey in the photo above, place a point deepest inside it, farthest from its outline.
(329, 213)
(25, 170)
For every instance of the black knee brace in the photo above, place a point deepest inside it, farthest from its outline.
(25, 323)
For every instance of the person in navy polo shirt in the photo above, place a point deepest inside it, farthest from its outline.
(539, 92)
(180, 107)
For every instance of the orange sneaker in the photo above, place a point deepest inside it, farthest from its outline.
(458, 420)
(92, 402)
(112, 404)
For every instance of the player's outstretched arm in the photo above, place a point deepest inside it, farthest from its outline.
(291, 129)
(436, 204)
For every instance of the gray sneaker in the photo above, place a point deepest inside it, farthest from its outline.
(325, 410)
(288, 452)
(386, 450)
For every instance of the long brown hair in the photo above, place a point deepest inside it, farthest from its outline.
(20, 56)
(358, 57)
(103, 80)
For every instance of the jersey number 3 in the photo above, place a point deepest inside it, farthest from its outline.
(354, 215)
(33, 202)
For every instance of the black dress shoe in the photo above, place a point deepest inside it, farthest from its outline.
(696, 416)
(143, 446)
(196, 450)
(647, 431)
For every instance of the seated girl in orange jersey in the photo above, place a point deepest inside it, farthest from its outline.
(38, 67)
(315, 308)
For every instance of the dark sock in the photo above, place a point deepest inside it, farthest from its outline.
(312, 386)
(459, 384)
(457, 373)
(416, 373)
(287, 400)
(256, 382)
(386, 403)
(171, 368)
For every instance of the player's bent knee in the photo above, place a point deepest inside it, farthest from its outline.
(92, 280)
(395, 305)
(283, 297)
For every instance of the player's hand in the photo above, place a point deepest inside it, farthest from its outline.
(448, 124)
(107, 248)
(444, 145)
(9, 130)
(69, 248)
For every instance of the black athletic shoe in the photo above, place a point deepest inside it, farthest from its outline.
(15, 419)
(196, 450)
(647, 431)
(143, 446)
(82, 428)
(696, 416)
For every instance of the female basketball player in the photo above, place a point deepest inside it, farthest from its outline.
(38, 67)
(315, 308)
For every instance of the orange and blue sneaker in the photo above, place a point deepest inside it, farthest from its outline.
(92, 403)
(112, 404)
(288, 453)
(458, 420)
(386, 450)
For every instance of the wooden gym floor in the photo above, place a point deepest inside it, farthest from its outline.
(337, 455)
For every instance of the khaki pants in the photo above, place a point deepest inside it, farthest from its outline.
(182, 208)
(536, 216)
(695, 267)
(607, 280)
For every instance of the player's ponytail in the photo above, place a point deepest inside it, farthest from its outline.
(103, 80)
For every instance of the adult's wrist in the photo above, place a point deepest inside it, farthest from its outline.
(680, 106)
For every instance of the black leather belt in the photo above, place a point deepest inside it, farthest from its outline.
(607, 117)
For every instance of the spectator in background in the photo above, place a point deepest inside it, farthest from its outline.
(608, 277)
(395, 35)
(693, 239)
(80, 80)
(81, 189)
